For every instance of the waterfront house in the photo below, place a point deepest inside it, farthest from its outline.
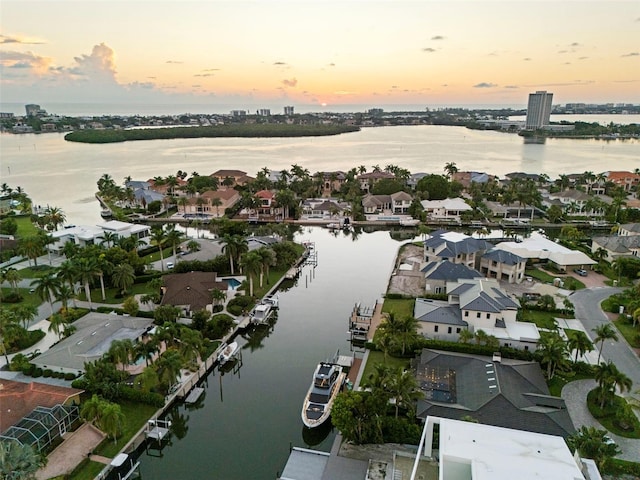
(332, 182)
(503, 265)
(455, 247)
(438, 273)
(92, 339)
(495, 391)
(205, 204)
(368, 180)
(629, 229)
(617, 246)
(578, 203)
(231, 178)
(629, 181)
(323, 209)
(450, 449)
(448, 209)
(395, 204)
(475, 304)
(468, 178)
(191, 291)
(84, 235)
(539, 248)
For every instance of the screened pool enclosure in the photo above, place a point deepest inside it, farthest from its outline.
(43, 427)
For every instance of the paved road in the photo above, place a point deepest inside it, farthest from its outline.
(580, 416)
(588, 311)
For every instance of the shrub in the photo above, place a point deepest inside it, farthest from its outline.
(47, 373)
(69, 376)
(37, 372)
(12, 297)
(150, 398)
(19, 362)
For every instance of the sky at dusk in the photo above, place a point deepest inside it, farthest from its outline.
(319, 52)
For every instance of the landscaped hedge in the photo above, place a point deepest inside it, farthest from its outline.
(475, 349)
(150, 398)
(30, 337)
(119, 311)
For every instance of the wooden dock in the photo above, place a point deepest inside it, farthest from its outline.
(194, 395)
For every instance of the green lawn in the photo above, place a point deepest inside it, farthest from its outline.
(96, 293)
(606, 416)
(36, 272)
(27, 298)
(400, 307)
(136, 416)
(541, 319)
(25, 227)
(376, 357)
(627, 330)
(155, 256)
(539, 275)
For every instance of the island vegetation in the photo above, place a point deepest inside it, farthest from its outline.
(244, 130)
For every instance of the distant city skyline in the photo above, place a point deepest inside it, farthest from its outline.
(274, 53)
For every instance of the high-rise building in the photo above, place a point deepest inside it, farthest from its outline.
(538, 110)
(32, 110)
(288, 110)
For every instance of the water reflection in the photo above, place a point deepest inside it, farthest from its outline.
(315, 436)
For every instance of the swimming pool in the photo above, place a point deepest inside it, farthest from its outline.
(232, 282)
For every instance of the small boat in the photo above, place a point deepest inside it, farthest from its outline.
(261, 313)
(228, 352)
(271, 300)
(334, 226)
(409, 222)
(106, 213)
(327, 383)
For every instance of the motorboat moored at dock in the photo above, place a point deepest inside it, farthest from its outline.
(328, 379)
(261, 313)
(228, 352)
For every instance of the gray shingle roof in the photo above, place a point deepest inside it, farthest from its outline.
(519, 398)
(618, 244)
(503, 256)
(449, 271)
(433, 311)
(448, 248)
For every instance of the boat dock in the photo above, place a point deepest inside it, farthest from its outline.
(194, 395)
(157, 429)
(362, 320)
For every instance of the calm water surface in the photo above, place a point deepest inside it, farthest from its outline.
(64, 174)
(248, 420)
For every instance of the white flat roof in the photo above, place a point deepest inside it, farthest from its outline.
(537, 246)
(484, 452)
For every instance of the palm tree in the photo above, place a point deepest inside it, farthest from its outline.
(65, 293)
(481, 337)
(403, 387)
(121, 351)
(57, 324)
(46, 288)
(218, 296)
(24, 313)
(55, 216)
(32, 247)
(217, 203)
(251, 263)
(168, 366)
(173, 238)
(553, 350)
(609, 379)
(267, 259)
(580, 343)
(593, 443)
(87, 271)
(13, 277)
(233, 247)
(123, 277)
(191, 344)
(604, 332)
(158, 238)
(91, 409)
(450, 168)
(146, 350)
(147, 380)
(112, 420)
(109, 238)
(466, 335)
(19, 461)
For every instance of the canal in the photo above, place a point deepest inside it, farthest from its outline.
(244, 424)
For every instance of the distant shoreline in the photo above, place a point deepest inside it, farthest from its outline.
(225, 131)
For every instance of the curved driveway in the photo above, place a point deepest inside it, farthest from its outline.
(588, 311)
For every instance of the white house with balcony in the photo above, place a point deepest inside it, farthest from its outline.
(448, 209)
(84, 235)
(476, 304)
